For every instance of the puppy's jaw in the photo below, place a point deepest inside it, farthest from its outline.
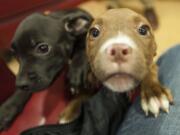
(121, 83)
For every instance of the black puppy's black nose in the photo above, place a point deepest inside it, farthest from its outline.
(22, 84)
(32, 75)
(24, 87)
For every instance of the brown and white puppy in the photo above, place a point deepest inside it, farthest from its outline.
(120, 49)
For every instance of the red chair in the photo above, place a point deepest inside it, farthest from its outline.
(43, 107)
(7, 82)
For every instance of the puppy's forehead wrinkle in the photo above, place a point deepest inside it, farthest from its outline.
(37, 23)
(33, 35)
(98, 21)
(121, 38)
(122, 12)
(122, 17)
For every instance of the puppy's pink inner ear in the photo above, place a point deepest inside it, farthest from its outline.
(47, 12)
(78, 25)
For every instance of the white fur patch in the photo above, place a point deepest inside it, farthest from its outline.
(42, 121)
(155, 104)
(63, 121)
(120, 83)
(121, 38)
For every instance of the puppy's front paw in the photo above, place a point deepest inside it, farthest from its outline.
(68, 116)
(7, 115)
(79, 68)
(71, 112)
(64, 120)
(155, 99)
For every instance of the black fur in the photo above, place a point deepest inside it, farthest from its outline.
(100, 115)
(38, 70)
(61, 32)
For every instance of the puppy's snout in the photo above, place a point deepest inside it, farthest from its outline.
(22, 84)
(119, 52)
(25, 87)
(32, 75)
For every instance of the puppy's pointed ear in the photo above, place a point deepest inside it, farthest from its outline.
(77, 22)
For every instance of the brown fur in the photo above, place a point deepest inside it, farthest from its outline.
(152, 87)
(148, 6)
(140, 65)
(72, 111)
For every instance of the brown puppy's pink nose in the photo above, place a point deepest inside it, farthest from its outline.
(119, 52)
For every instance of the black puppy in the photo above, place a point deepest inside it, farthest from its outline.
(43, 45)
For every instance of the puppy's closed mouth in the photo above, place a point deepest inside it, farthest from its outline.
(119, 75)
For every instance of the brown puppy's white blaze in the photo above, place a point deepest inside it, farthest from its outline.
(120, 49)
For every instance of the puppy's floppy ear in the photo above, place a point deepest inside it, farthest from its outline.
(77, 22)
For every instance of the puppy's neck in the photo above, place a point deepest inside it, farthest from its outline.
(132, 95)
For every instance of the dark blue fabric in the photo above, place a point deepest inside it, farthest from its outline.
(166, 124)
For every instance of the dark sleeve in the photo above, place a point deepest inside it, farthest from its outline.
(103, 113)
(100, 115)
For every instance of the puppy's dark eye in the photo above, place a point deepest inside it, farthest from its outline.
(94, 32)
(42, 48)
(143, 30)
